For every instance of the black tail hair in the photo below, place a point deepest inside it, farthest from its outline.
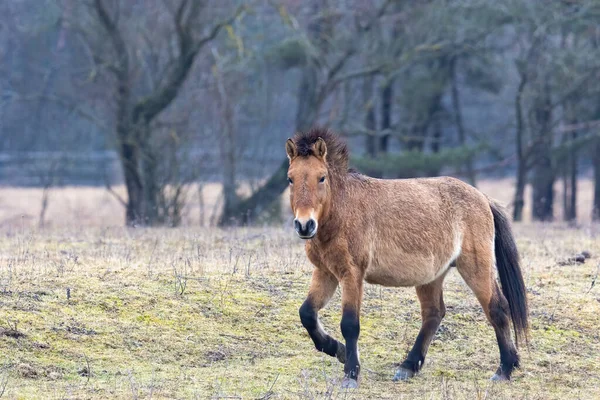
(511, 279)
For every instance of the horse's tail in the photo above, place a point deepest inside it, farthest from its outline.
(511, 278)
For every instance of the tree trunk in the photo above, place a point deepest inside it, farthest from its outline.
(227, 149)
(308, 102)
(436, 117)
(570, 179)
(370, 123)
(41, 103)
(543, 191)
(387, 96)
(230, 196)
(596, 161)
(151, 186)
(133, 183)
(544, 174)
(596, 158)
(458, 119)
(519, 199)
(566, 194)
(574, 175)
(436, 112)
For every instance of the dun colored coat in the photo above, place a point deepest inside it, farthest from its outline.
(398, 233)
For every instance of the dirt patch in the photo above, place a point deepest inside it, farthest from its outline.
(33, 295)
(216, 355)
(75, 329)
(12, 333)
(576, 259)
(27, 371)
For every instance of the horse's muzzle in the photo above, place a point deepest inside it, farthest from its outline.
(306, 229)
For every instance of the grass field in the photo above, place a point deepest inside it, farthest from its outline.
(108, 312)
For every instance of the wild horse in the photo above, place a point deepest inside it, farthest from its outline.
(406, 232)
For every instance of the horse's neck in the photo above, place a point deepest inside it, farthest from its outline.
(334, 217)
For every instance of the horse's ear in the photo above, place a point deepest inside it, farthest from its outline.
(290, 149)
(320, 148)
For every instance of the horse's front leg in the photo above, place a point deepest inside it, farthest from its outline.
(352, 292)
(322, 288)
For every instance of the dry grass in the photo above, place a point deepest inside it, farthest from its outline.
(108, 312)
(196, 313)
(89, 206)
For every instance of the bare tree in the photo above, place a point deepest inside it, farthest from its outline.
(137, 106)
(323, 69)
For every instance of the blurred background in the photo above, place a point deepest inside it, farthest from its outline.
(175, 112)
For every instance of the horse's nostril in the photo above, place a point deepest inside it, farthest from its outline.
(307, 229)
(310, 226)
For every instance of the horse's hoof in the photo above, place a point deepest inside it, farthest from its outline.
(340, 354)
(403, 374)
(499, 378)
(349, 383)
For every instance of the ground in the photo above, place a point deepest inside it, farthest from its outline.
(208, 313)
(89, 309)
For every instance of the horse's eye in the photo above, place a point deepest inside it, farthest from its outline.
(290, 181)
(322, 179)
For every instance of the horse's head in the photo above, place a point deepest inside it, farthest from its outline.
(310, 190)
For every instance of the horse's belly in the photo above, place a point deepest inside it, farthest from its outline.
(383, 278)
(399, 276)
(391, 264)
(411, 271)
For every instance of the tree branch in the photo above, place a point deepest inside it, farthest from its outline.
(578, 127)
(357, 74)
(337, 66)
(113, 31)
(121, 69)
(110, 190)
(148, 108)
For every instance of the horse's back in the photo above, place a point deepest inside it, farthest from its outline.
(429, 202)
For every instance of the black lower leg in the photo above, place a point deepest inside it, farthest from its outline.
(323, 342)
(509, 359)
(350, 326)
(416, 357)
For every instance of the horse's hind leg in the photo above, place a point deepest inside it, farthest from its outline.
(476, 269)
(432, 312)
(322, 288)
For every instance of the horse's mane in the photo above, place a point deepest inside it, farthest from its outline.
(337, 151)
